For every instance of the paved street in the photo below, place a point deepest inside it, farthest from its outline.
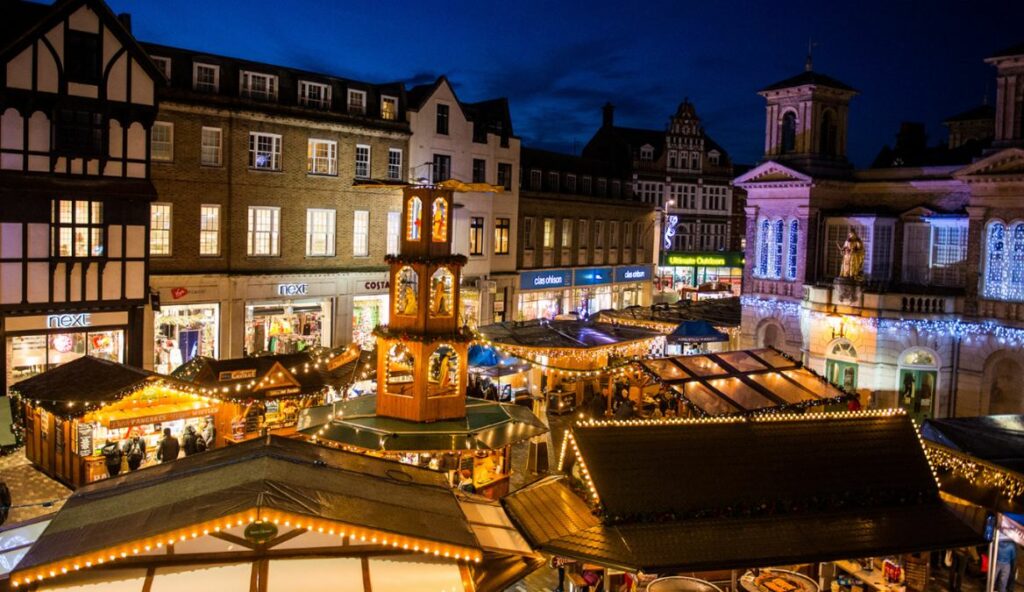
(29, 488)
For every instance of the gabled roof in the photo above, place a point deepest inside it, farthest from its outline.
(40, 21)
(686, 495)
(809, 78)
(304, 370)
(772, 172)
(493, 113)
(981, 112)
(1013, 50)
(1008, 162)
(268, 477)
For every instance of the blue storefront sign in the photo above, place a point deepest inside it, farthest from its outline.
(593, 276)
(545, 279)
(633, 273)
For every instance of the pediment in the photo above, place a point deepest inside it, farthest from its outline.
(772, 172)
(917, 212)
(1005, 163)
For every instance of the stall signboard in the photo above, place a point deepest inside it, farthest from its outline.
(703, 259)
(545, 280)
(291, 390)
(161, 417)
(85, 444)
(633, 273)
(260, 532)
(593, 276)
(228, 375)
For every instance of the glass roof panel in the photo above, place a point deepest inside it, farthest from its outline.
(819, 386)
(773, 358)
(741, 361)
(777, 384)
(666, 370)
(742, 393)
(705, 400)
(702, 366)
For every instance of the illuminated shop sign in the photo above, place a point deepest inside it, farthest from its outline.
(379, 285)
(724, 259)
(549, 278)
(633, 273)
(593, 276)
(292, 289)
(67, 321)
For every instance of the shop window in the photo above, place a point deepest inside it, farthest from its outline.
(407, 290)
(184, 332)
(502, 228)
(286, 327)
(439, 221)
(414, 225)
(77, 228)
(476, 236)
(367, 313)
(29, 355)
(399, 370)
(160, 229)
(443, 372)
(442, 293)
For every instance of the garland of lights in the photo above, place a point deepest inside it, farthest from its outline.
(424, 260)
(386, 332)
(767, 306)
(977, 472)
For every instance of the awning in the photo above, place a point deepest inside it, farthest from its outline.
(699, 331)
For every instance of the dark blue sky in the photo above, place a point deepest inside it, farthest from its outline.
(558, 62)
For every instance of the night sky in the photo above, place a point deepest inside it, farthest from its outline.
(558, 62)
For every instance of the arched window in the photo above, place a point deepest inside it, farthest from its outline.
(399, 370)
(995, 253)
(763, 238)
(843, 349)
(443, 372)
(1015, 289)
(788, 132)
(439, 221)
(828, 134)
(792, 249)
(414, 225)
(442, 293)
(407, 292)
(778, 238)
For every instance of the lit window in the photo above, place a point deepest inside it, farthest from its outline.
(439, 221)
(502, 228)
(793, 249)
(161, 141)
(361, 233)
(209, 230)
(160, 229)
(319, 233)
(388, 108)
(1004, 261)
(394, 232)
(549, 233)
(442, 293)
(362, 161)
(323, 157)
(778, 236)
(258, 86)
(77, 229)
(395, 164)
(314, 94)
(357, 102)
(613, 239)
(210, 150)
(566, 233)
(264, 235)
(415, 221)
(264, 151)
(476, 235)
(206, 78)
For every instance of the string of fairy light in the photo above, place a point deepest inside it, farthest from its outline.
(977, 472)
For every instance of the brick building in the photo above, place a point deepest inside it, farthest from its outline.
(585, 243)
(935, 321)
(274, 210)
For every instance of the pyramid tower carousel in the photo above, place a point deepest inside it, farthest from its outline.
(420, 414)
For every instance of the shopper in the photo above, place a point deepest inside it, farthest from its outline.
(169, 448)
(1006, 560)
(135, 450)
(209, 433)
(112, 455)
(188, 441)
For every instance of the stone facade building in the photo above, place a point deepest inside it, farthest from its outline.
(274, 210)
(934, 322)
(77, 104)
(585, 242)
(684, 173)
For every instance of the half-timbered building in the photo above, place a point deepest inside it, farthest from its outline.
(77, 100)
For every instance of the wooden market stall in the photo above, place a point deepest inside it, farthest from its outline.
(274, 515)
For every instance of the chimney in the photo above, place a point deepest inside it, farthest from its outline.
(126, 20)
(608, 112)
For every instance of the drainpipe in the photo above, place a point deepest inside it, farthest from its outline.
(954, 382)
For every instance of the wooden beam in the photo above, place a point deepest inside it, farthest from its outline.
(367, 585)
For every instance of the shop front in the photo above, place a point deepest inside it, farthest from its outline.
(184, 332)
(369, 306)
(288, 317)
(632, 285)
(544, 294)
(35, 344)
(684, 270)
(592, 291)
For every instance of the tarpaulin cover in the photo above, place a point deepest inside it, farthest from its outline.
(271, 473)
(699, 331)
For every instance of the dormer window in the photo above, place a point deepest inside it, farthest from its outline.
(714, 157)
(205, 78)
(357, 102)
(162, 64)
(389, 108)
(647, 152)
(314, 94)
(255, 85)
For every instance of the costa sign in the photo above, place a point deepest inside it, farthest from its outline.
(378, 285)
(292, 289)
(67, 321)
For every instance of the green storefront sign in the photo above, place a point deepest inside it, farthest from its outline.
(702, 259)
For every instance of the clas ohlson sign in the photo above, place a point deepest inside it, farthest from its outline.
(632, 273)
(545, 280)
(702, 259)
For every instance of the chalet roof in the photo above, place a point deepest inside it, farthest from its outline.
(308, 369)
(809, 77)
(692, 495)
(568, 335)
(85, 380)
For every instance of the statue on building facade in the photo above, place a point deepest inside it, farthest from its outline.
(853, 257)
